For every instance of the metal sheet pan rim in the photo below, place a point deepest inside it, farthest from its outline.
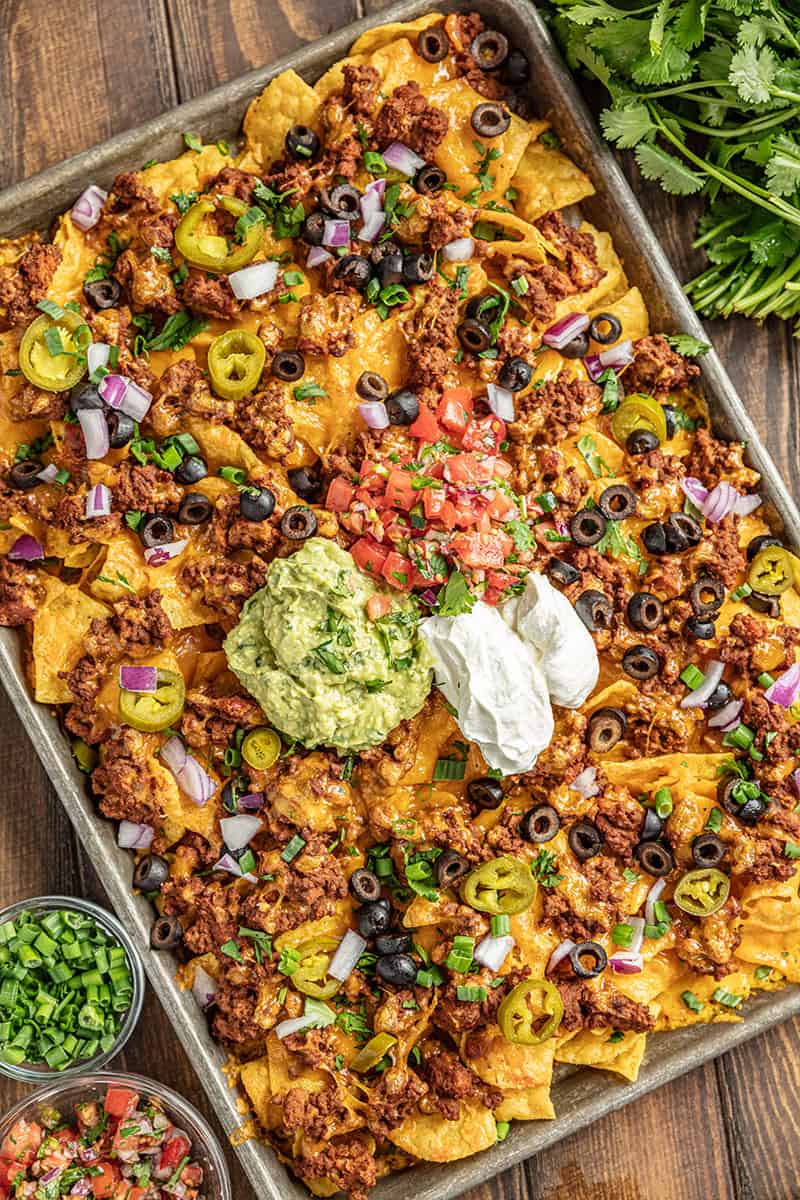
(580, 1096)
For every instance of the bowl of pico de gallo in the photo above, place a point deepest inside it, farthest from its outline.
(110, 1136)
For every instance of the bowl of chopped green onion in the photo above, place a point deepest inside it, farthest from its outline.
(71, 988)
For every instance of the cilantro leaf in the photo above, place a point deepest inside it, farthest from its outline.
(687, 345)
(455, 597)
(673, 175)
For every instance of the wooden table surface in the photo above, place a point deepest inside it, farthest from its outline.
(73, 76)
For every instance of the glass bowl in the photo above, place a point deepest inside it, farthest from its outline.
(41, 1072)
(65, 1094)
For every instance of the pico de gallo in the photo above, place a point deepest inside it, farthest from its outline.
(123, 1148)
(440, 505)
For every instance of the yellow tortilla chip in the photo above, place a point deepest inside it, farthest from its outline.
(431, 1137)
(546, 180)
(457, 154)
(59, 628)
(335, 925)
(374, 39)
(255, 1080)
(179, 810)
(771, 926)
(506, 1065)
(632, 314)
(190, 172)
(527, 1104)
(593, 1048)
(286, 101)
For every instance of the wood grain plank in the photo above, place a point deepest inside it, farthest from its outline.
(213, 41)
(68, 83)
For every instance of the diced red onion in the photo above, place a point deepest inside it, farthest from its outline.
(252, 801)
(459, 250)
(253, 281)
(637, 925)
(618, 356)
(317, 255)
(697, 698)
(376, 188)
(136, 401)
(594, 368)
(796, 780)
(229, 863)
(348, 952)
(26, 549)
(569, 327)
(374, 414)
(135, 836)
(189, 775)
(561, 951)
(156, 556)
(86, 210)
(492, 951)
(98, 501)
(722, 500)
(429, 597)
(48, 474)
(97, 355)
(500, 401)
(402, 159)
(561, 526)
(294, 1025)
(586, 783)
(239, 831)
(726, 718)
(625, 962)
(370, 203)
(81, 1187)
(95, 431)
(650, 902)
(786, 688)
(138, 679)
(204, 988)
(372, 227)
(336, 233)
(112, 388)
(48, 1175)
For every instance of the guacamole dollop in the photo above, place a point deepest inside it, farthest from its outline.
(324, 673)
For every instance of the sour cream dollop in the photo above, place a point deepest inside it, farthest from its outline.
(494, 683)
(546, 622)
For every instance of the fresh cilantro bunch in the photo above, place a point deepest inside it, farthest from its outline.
(707, 95)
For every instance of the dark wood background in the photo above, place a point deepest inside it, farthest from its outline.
(71, 75)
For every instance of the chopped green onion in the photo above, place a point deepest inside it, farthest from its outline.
(470, 993)
(691, 1001)
(765, 679)
(449, 769)
(692, 676)
(741, 737)
(714, 822)
(622, 935)
(501, 925)
(292, 848)
(663, 805)
(728, 999)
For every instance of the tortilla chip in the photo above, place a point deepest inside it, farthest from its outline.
(771, 926)
(594, 1048)
(190, 172)
(59, 629)
(374, 39)
(527, 1104)
(431, 1137)
(124, 570)
(179, 810)
(285, 102)
(632, 314)
(255, 1080)
(545, 180)
(335, 925)
(508, 1065)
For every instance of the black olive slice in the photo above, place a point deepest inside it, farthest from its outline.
(588, 960)
(645, 611)
(708, 850)
(655, 858)
(450, 867)
(606, 727)
(594, 609)
(640, 662)
(365, 885)
(539, 824)
(490, 119)
(298, 523)
(585, 840)
(489, 49)
(433, 44)
(587, 526)
(485, 792)
(617, 502)
(605, 329)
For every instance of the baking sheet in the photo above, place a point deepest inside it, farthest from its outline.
(580, 1095)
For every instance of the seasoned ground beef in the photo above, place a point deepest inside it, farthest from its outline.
(619, 818)
(262, 420)
(222, 584)
(557, 909)
(325, 323)
(144, 489)
(21, 592)
(408, 117)
(346, 1162)
(578, 249)
(210, 720)
(708, 945)
(211, 296)
(124, 785)
(430, 337)
(450, 1082)
(129, 191)
(33, 402)
(233, 182)
(657, 370)
(183, 390)
(25, 283)
(456, 1016)
(360, 89)
(586, 1008)
(554, 411)
(147, 282)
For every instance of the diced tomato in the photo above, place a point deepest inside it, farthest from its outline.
(369, 556)
(399, 492)
(119, 1102)
(173, 1151)
(425, 427)
(433, 501)
(499, 580)
(485, 434)
(499, 506)
(124, 1191)
(370, 477)
(398, 571)
(466, 513)
(104, 1183)
(22, 1142)
(502, 468)
(340, 495)
(482, 549)
(378, 606)
(468, 468)
(455, 410)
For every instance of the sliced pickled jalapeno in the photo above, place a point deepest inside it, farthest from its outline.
(637, 413)
(52, 353)
(702, 892)
(152, 711)
(235, 362)
(212, 251)
(310, 976)
(370, 1055)
(771, 571)
(501, 885)
(261, 748)
(531, 1012)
